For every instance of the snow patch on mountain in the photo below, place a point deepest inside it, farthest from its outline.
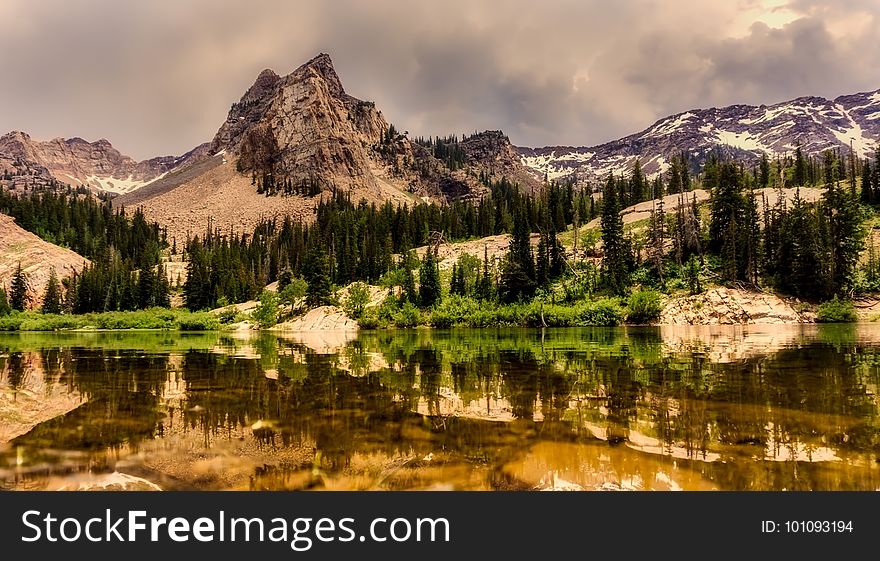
(119, 186)
(742, 131)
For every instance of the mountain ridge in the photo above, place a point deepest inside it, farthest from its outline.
(741, 130)
(96, 165)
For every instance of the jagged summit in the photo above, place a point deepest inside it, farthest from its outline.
(322, 65)
(303, 128)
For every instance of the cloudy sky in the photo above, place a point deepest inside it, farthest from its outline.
(158, 77)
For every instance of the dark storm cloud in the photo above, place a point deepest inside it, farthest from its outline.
(158, 77)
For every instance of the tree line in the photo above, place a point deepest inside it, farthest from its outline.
(124, 251)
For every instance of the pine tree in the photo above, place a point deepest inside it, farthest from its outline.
(146, 288)
(657, 239)
(285, 277)
(617, 257)
(18, 294)
(162, 291)
(799, 254)
(752, 239)
(52, 295)
(845, 235)
(693, 275)
(684, 171)
(429, 280)
(316, 272)
(409, 286)
(542, 263)
(557, 255)
(800, 168)
(764, 177)
(868, 194)
(638, 191)
(5, 308)
(484, 290)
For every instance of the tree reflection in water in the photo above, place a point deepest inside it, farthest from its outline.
(792, 408)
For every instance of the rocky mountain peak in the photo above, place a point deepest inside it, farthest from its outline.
(303, 128)
(322, 66)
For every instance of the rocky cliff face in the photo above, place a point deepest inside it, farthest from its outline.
(741, 131)
(304, 128)
(97, 165)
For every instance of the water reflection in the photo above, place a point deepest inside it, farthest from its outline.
(648, 408)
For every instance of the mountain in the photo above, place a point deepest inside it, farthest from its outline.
(291, 139)
(304, 128)
(97, 165)
(742, 131)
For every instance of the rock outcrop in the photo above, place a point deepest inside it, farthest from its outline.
(729, 306)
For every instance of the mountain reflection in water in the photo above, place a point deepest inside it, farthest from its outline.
(770, 408)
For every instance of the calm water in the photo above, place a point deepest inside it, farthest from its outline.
(791, 407)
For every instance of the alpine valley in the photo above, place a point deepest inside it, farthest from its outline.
(302, 134)
(303, 181)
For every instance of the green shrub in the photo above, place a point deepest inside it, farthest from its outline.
(454, 311)
(357, 299)
(605, 312)
(837, 311)
(50, 322)
(140, 319)
(266, 312)
(370, 319)
(197, 321)
(228, 315)
(407, 316)
(644, 306)
(11, 322)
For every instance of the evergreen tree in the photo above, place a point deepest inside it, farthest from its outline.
(316, 272)
(617, 258)
(638, 191)
(5, 308)
(52, 295)
(197, 288)
(517, 280)
(800, 167)
(799, 251)
(684, 171)
(146, 288)
(845, 235)
(429, 280)
(868, 192)
(485, 284)
(284, 278)
(557, 255)
(657, 239)
(162, 291)
(409, 286)
(18, 294)
(542, 262)
(752, 239)
(728, 222)
(764, 177)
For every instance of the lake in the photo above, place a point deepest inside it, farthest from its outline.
(652, 408)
